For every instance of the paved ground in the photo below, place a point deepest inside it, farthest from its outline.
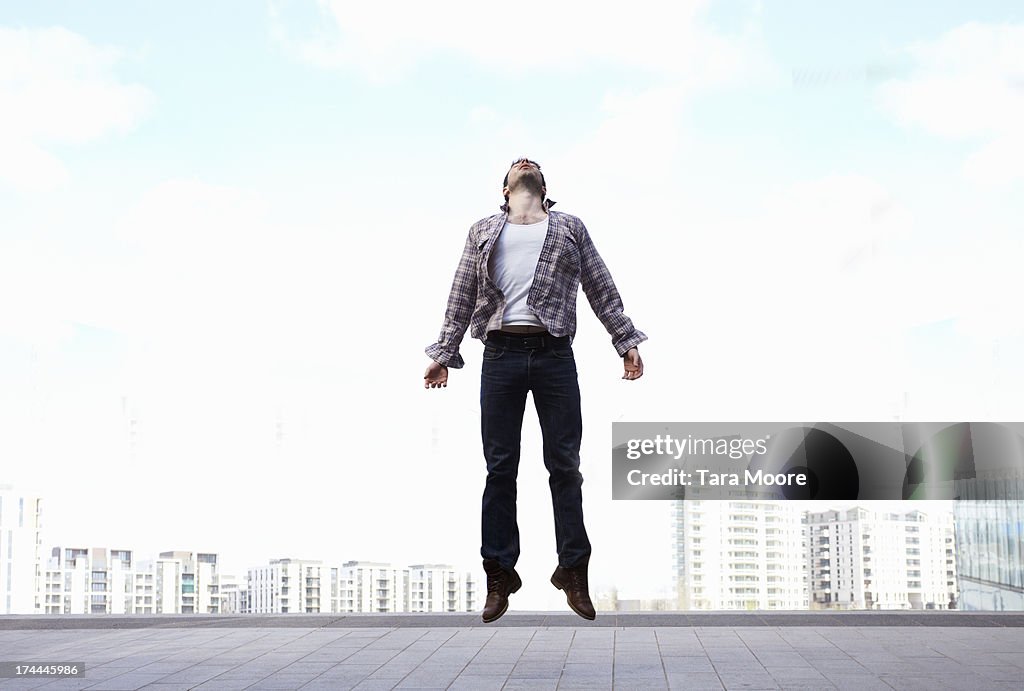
(642, 651)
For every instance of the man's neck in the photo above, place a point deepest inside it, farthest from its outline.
(525, 208)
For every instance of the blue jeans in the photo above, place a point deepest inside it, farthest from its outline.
(512, 366)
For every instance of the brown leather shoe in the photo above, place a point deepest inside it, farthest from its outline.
(500, 583)
(574, 583)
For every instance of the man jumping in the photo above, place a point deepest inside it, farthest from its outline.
(515, 289)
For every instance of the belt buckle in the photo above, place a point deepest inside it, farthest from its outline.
(533, 342)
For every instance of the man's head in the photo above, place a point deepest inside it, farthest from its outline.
(524, 174)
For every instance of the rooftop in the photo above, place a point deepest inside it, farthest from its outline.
(524, 650)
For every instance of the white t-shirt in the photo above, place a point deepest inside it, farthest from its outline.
(512, 265)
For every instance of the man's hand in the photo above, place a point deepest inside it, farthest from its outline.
(436, 376)
(632, 364)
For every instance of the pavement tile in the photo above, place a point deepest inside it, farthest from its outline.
(424, 682)
(782, 659)
(307, 667)
(856, 682)
(23, 683)
(968, 681)
(682, 651)
(739, 669)
(699, 681)
(475, 668)
(838, 666)
(592, 684)
(69, 683)
(1016, 659)
(244, 672)
(978, 658)
(373, 684)
(748, 681)
(589, 658)
(496, 656)
(795, 673)
(918, 652)
(640, 683)
(280, 683)
(367, 657)
(225, 685)
(536, 672)
(198, 674)
(911, 683)
(393, 672)
(126, 682)
(469, 682)
(530, 685)
(903, 668)
(1000, 673)
(578, 671)
(348, 670)
(686, 665)
(164, 667)
(945, 666)
(542, 656)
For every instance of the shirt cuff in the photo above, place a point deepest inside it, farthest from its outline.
(444, 357)
(634, 339)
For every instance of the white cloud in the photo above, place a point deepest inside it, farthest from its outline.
(57, 88)
(967, 84)
(641, 132)
(384, 39)
(997, 161)
(28, 166)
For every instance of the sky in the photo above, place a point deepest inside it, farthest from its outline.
(228, 231)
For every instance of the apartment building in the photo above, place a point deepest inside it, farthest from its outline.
(186, 583)
(739, 554)
(99, 580)
(283, 586)
(234, 594)
(440, 588)
(862, 559)
(89, 580)
(291, 585)
(366, 586)
(20, 545)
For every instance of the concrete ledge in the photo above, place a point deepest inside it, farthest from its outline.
(516, 619)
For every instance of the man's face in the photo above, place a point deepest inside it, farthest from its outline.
(524, 172)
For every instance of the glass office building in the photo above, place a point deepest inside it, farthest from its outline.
(989, 535)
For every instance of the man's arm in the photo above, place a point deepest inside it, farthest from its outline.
(461, 300)
(607, 305)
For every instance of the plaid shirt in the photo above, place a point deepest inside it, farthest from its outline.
(568, 258)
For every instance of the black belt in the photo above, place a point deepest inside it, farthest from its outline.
(537, 341)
